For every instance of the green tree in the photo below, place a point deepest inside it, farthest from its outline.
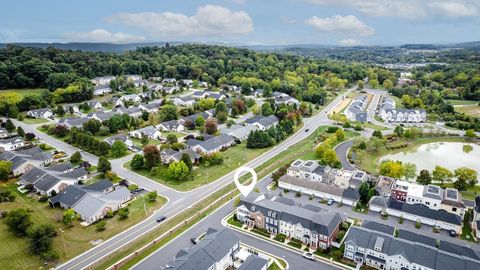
(178, 171)
(103, 165)
(392, 168)
(151, 156)
(267, 109)
(18, 221)
(340, 134)
(171, 139)
(410, 170)
(118, 149)
(60, 111)
(187, 160)
(20, 131)
(360, 85)
(137, 162)
(9, 125)
(101, 226)
(377, 133)
(68, 217)
(470, 133)
(467, 175)
(76, 157)
(5, 169)
(441, 174)
(168, 112)
(398, 130)
(152, 196)
(144, 140)
(199, 122)
(424, 178)
(388, 84)
(123, 213)
(41, 238)
(373, 83)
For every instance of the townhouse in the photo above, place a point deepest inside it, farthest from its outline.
(317, 229)
(356, 110)
(389, 114)
(45, 113)
(34, 155)
(216, 251)
(476, 217)
(92, 202)
(262, 122)
(382, 250)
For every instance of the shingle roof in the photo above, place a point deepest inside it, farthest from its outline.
(60, 167)
(69, 196)
(47, 182)
(99, 185)
(253, 262)
(216, 142)
(379, 227)
(76, 173)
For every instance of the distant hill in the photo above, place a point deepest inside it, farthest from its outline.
(465, 45)
(92, 47)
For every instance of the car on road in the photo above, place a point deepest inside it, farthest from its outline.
(308, 255)
(195, 240)
(452, 233)
(330, 201)
(307, 130)
(161, 218)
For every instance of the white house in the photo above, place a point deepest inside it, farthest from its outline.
(183, 101)
(262, 122)
(131, 97)
(169, 81)
(119, 137)
(101, 90)
(150, 132)
(102, 80)
(172, 125)
(11, 143)
(40, 113)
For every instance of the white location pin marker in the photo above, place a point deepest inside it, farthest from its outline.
(245, 190)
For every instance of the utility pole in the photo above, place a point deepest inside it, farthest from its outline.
(144, 205)
(63, 240)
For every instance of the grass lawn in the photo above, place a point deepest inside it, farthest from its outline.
(456, 102)
(138, 142)
(14, 253)
(369, 161)
(34, 121)
(233, 158)
(398, 102)
(177, 134)
(472, 110)
(22, 92)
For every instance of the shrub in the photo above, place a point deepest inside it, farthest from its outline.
(101, 225)
(43, 198)
(123, 213)
(280, 237)
(418, 225)
(298, 194)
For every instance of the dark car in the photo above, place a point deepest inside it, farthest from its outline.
(452, 233)
(307, 130)
(195, 240)
(161, 218)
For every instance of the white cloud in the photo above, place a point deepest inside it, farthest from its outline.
(102, 35)
(453, 9)
(208, 21)
(412, 9)
(348, 25)
(349, 42)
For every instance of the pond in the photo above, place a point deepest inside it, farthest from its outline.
(451, 155)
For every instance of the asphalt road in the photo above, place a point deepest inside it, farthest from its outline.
(177, 201)
(342, 151)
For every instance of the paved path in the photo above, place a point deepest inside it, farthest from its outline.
(342, 151)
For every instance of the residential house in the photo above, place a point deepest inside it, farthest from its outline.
(213, 145)
(279, 215)
(102, 80)
(152, 107)
(20, 165)
(169, 81)
(35, 155)
(131, 98)
(117, 102)
(199, 94)
(11, 143)
(202, 84)
(131, 111)
(239, 133)
(254, 262)
(100, 90)
(71, 107)
(155, 87)
(94, 201)
(149, 132)
(172, 125)
(188, 83)
(101, 115)
(262, 122)
(73, 122)
(183, 101)
(169, 155)
(382, 250)
(139, 82)
(356, 110)
(119, 137)
(217, 95)
(4, 133)
(45, 113)
(194, 117)
(95, 105)
(282, 98)
(133, 77)
(215, 251)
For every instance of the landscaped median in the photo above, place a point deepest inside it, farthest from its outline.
(332, 256)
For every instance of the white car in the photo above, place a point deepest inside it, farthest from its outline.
(309, 256)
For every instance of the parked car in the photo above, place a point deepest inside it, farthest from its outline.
(309, 256)
(161, 218)
(195, 240)
(452, 233)
(330, 201)
(307, 130)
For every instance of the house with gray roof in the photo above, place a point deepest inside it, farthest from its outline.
(100, 90)
(214, 252)
(35, 155)
(240, 133)
(101, 116)
(172, 125)
(263, 211)
(254, 262)
(152, 107)
(92, 202)
(356, 110)
(131, 111)
(45, 113)
(149, 131)
(73, 122)
(183, 101)
(382, 250)
(11, 143)
(119, 137)
(213, 145)
(169, 155)
(20, 165)
(262, 122)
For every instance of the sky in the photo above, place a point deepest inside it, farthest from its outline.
(248, 22)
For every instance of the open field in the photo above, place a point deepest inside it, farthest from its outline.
(14, 252)
(457, 102)
(22, 92)
(34, 121)
(472, 110)
(233, 158)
